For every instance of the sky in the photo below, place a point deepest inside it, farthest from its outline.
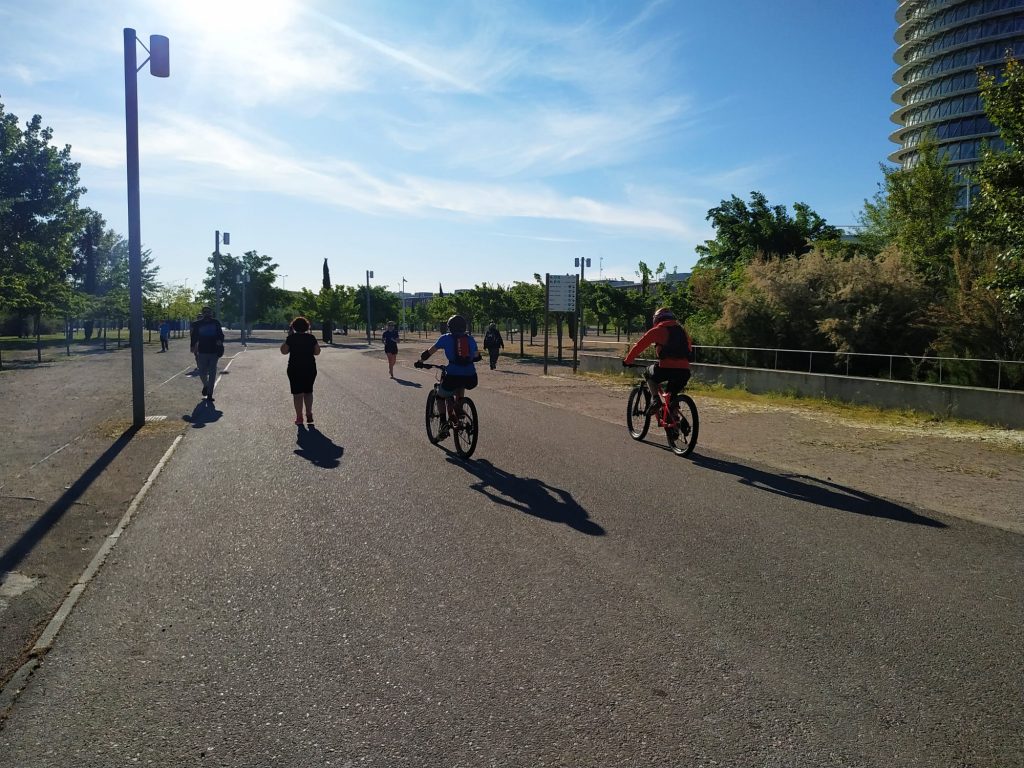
(458, 142)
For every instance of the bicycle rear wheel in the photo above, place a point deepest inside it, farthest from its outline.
(683, 440)
(466, 432)
(638, 420)
(433, 417)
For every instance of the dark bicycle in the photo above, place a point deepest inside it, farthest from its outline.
(678, 416)
(459, 421)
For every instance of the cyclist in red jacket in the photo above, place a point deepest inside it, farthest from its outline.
(674, 354)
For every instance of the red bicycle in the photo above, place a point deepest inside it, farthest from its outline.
(460, 419)
(681, 426)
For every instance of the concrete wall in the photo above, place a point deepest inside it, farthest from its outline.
(999, 407)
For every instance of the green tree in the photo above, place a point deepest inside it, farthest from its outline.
(39, 217)
(999, 213)
(745, 231)
(922, 215)
(384, 305)
(526, 305)
(260, 294)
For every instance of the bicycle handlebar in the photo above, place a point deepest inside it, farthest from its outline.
(429, 365)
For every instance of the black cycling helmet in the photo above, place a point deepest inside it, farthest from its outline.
(663, 313)
(456, 324)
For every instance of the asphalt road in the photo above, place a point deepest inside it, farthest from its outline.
(357, 597)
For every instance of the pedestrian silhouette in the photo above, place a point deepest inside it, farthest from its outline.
(316, 448)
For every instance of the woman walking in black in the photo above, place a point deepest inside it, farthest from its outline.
(390, 337)
(302, 348)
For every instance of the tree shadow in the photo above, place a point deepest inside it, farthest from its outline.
(204, 413)
(316, 448)
(17, 552)
(529, 495)
(406, 383)
(820, 492)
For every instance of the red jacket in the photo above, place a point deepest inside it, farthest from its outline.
(658, 335)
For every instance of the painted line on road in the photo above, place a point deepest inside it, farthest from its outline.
(47, 456)
(172, 378)
(20, 679)
(230, 361)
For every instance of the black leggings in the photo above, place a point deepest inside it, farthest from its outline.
(675, 378)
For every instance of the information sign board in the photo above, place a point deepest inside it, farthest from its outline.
(561, 293)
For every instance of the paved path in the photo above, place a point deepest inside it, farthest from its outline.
(355, 596)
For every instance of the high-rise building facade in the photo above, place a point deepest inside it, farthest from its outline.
(940, 46)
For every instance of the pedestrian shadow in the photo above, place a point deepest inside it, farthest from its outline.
(17, 552)
(529, 495)
(317, 448)
(813, 490)
(406, 383)
(204, 413)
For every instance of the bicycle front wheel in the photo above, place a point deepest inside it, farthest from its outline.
(683, 439)
(638, 420)
(467, 431)
(433, 417)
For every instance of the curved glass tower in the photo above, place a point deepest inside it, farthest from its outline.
(940, 46)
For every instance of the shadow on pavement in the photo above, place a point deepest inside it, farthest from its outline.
(317, 448)
(406, 383)
(204, 413)
(28, 540)
(820, 492)
(529, 495)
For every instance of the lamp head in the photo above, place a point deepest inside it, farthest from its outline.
(159, 56)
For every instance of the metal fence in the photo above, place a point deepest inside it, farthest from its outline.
(955, 371)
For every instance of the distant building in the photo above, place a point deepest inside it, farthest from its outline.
(941, 45)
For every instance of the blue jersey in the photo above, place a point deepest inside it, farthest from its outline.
(447, 343)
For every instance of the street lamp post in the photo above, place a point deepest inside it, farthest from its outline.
(243, 280)
(369, 316)
(216, 266)
(404, 281)
(582, 264)
(159, 66)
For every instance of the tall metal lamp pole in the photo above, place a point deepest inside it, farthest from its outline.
(159, 66)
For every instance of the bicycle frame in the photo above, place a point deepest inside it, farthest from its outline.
(453, 404)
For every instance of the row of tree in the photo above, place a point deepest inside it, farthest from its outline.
(923, 277)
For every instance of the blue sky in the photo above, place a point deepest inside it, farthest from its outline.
(459, 142)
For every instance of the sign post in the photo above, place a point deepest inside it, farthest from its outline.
(559, 296)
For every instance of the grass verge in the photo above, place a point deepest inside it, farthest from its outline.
(868, 414)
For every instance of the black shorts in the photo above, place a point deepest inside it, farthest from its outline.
(451, 382)
(675, 378)
(301, 381)
(391, 349)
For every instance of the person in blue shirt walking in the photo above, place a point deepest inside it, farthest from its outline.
(461, 350)
(165, 334)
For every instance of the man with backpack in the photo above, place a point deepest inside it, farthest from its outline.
(493, 344)
(461, 350)
(207, 346)
(674, 351)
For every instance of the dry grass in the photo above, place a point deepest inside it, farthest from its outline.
(901, 420)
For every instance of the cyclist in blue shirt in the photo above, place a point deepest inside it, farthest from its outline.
(461, 350)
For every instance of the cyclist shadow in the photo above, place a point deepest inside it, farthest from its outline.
(823, 493)
(317, 448)
(529, 495)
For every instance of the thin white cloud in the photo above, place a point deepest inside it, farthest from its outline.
(423, 69)
(182, 153)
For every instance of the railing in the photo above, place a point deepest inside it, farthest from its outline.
(956, 371)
